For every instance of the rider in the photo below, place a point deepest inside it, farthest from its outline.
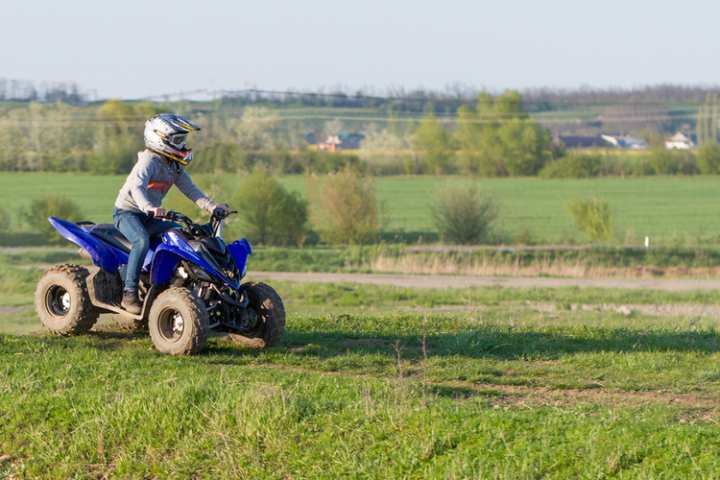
(137, 210)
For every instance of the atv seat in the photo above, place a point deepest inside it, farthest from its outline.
(109, 234)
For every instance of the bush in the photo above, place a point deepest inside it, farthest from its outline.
(314, 161)
(669, 162)
(270, 214)
(36, 215)
(348, 208)
(573, 166)
(464, 216)
(592, 217)
(708, 159)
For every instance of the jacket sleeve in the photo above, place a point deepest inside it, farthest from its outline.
(138, 182)
(187, 187)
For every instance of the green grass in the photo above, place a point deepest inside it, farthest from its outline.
(664, 208)
(499, 394)
(371, 382)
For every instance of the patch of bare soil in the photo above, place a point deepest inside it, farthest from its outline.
(466, 281)
(655, 310)
(661, 310)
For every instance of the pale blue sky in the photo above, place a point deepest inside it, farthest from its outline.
(134, 48)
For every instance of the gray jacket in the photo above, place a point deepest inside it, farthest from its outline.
(150, 180)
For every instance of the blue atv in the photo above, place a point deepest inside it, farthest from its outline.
(189, 286)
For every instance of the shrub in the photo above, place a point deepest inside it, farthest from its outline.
(592, 217)
(668, 162)
(348, 208)
(314, 161)
(463, 215)
(708, 159)
(5, 220)
(36, 215)
(573, 166)
(270, 214)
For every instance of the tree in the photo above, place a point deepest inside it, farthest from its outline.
(499, 138)
(270, 214)
(431, 144)
(347, 209)
(388, 152)
(119, 136)
(257, 131)
(708, 159)
(708, 120)
(475, 138)
(526, 146)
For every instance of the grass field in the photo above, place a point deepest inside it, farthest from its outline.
(372, 382)
(668, 209)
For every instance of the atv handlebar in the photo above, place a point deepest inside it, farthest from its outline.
(210, 229)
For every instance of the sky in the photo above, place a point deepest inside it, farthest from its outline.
(139, 48)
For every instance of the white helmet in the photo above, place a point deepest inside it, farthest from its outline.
(166, 135)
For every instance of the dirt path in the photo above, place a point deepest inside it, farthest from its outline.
(464, 281)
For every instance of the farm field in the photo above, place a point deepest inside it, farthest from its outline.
(374, 382)
(668, 209)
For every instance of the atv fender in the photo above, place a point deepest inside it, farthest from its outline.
(101, 255)
(174, 249)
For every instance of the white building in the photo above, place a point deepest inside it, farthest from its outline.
(625, 141)
(679, 141)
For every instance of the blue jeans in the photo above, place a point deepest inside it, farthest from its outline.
(138, 228)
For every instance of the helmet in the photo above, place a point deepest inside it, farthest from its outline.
(166, 135)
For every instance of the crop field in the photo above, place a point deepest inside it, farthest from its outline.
(668, 209)
(374, 382)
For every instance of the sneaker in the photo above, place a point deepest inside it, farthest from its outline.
(130, 302)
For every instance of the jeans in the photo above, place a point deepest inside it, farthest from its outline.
(138, 228)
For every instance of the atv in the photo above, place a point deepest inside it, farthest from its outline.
(189, 286)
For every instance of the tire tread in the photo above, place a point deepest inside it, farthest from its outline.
(86, 314)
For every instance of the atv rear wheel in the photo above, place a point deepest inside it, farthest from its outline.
(268, 306)
(62, 300)
(178, 322)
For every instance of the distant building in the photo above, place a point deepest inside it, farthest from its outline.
(582, 141)
(310, 138)
(679, 141)
(625, 141)
(343, 141)
(331, 144)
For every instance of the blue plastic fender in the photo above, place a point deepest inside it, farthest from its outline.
(104, 256)
(169, 253)
(240, 250)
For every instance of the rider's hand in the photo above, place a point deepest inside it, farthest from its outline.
(221, 210)
(157, 212)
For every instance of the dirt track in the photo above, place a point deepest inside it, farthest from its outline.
(464, 281)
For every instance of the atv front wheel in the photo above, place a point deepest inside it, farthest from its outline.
(178, 322)
(62, 300)
(268, 306)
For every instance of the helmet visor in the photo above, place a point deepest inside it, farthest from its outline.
(178, 139)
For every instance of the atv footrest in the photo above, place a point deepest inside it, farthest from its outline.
(105, 289)
(117, 309)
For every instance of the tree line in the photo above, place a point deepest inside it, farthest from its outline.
(493, 136)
